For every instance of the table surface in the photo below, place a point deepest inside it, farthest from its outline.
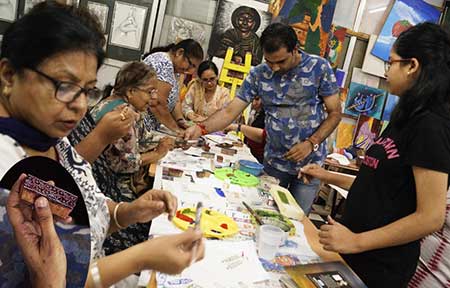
(310, 231)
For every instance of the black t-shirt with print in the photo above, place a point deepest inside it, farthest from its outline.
(384, 192)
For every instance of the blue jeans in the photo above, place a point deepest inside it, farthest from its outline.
(303, 193)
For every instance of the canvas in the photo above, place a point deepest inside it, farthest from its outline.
(365, 100)
(366, 131)
(29, 4)
(101, 11)
(345, 131)
(128, 25)
(404, 14)
(373, 65)
(175, 29)
(345, 13)
(239, 25)
(373, 16)
(343, 92)
(311, 20)
(391, 102)
(335, 45)
(8, 10)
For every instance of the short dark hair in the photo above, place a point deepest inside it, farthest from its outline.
(191, 49)
(48, 29)
(206, 65)
(276, 36)
(430, 45)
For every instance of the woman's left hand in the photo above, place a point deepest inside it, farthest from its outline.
(149, 206)
(338, 238)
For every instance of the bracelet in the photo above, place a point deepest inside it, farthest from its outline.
(115, 216)
(238, 128)
(95, 274)
(202, 128)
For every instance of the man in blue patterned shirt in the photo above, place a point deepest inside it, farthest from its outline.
(295, 87)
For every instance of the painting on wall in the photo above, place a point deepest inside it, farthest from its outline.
(175, 29)
(101, 11)
(335, 45)
(310, 19)
(128, 25)
(366, 131)
(391, 102)
(345, 131)
(239, 25)
(365, 100)
(404, 14)
(8, 10)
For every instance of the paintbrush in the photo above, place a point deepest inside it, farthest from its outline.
(257, 218)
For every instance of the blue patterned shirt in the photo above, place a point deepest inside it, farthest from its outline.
(294, 108)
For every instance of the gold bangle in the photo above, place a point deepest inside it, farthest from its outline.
(115, 216)
(95, 274)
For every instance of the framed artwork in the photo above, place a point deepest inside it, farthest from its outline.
(101, 11)
(239, 25)
(175, 29)
(128, 25)
(374, 13)
(311, 21)
(335, 45)
(366, 131)
(404, 14)
(8, 10)
(391, 102)
(345, 131)
(365, 100)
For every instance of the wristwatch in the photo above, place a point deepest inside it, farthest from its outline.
(315, 146)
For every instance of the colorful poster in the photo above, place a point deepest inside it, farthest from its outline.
(311, 20)
(345, 131)
(404, 14)
(391, 102)
(367, 129)
(365, 100)
(335, 45)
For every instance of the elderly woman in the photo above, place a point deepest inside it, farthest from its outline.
(204, 96)
(44, 94)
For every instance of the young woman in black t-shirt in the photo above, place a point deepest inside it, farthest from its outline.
(399, 195)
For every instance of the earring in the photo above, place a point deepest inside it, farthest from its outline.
(6, 91)
(408, 73)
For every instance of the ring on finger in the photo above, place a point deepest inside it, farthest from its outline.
(122, 116)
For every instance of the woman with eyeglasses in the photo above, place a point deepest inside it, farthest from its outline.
(204, 96)
(44, 93)
(169, 62)
(400, 193)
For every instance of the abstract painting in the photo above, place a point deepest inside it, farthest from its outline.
(335, 45)
(311, 20)
(345, 131)
(391, 102)
(8, 10)
(365, 100)
(101, 11)
(128, 25)
(175, 29)
(239, 25)
(404, 14)
(367, 129)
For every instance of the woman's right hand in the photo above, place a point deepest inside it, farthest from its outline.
(116, 124)
(36, 237)
(311, 171)
(171, 254)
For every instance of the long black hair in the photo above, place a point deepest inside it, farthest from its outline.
(48, 29)
(430, 45)
(191, 49)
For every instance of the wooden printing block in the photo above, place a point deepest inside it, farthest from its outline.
(208, 155)
(206, 147)
(238, 144)
(228, 151)
(219, 158)
(60, 201)
(175, 172)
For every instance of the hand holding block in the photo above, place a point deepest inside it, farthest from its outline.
(61, 202)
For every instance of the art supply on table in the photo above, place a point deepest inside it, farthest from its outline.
(252, 212)
(219, 192)
(213, 225)
(270, 239)
(237, 177)
(251, 167)
(275, 218)
(286, 203)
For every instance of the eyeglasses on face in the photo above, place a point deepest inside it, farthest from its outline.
(206, 80)
(68, 92)
(387, 64)
(151, 92)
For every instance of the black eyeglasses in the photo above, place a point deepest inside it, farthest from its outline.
(387, 64)
(67, 92)
(206, 80)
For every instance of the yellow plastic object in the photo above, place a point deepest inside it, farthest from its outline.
(229, 66)
(213, 224)
(286, 203)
